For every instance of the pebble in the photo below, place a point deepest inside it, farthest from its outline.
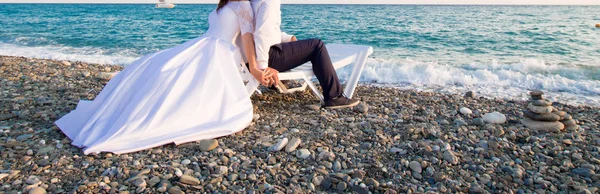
(175, 190)
(106, 75)
(539, 109)
(465, 111)
(450, 157)
(178, 172)
(341, 186)
(293, 144)
(186, 179)
(317, 180)
(361, 108)
(139, 183)
(208, 144)
(222, 170)
(444, 122)
(415, 166)
(326, 183)
(337, 166)
(374, 183)
(439, 177)
(470, 94)
(186, 162)
(313, 107)
(569, 122)
(303, 153)
(494, 118)
(37, 190)
(280, 145)
(543, 103)
(550, 117)
(543, 126)
(232, 177)
(478, 122)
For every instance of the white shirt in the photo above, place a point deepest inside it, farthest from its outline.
(267, 29)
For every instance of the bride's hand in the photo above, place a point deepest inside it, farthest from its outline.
(261, 76)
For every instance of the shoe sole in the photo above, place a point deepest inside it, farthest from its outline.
(343, 106)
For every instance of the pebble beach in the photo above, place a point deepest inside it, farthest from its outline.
(396, 141)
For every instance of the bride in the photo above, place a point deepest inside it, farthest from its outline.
(190, 92)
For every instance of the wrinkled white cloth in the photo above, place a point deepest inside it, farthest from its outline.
(190, 92)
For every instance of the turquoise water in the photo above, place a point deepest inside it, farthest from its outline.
(498, 51)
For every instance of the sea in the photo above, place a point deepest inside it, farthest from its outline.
(496, 51)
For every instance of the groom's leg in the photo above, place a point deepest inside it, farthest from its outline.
(286, 56)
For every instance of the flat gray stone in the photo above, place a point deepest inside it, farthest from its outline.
(539, 109)
(543, 126)
(280, 145)
(415, 166)
(187, 179)
(536, 93)
(541, 103)
(293, 144)
(569, 122)
(541, 117)
(571, 127)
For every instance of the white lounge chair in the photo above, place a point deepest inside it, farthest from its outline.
(341, 56)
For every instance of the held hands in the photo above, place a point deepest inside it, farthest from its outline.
(274, 78)
(267, 77)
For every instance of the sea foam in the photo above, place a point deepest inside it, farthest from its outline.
(83, 54)
(567, 84)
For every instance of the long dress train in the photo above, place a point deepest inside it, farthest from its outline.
(190, 92)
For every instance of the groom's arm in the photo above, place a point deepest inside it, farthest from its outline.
(287, 38)
(264, 27)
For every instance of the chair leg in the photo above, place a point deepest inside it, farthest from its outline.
(359, 65)
(314, 89)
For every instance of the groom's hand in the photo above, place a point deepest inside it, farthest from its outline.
(274, 76)
(294, 39)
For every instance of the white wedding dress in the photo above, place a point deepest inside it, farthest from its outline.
(190, 92)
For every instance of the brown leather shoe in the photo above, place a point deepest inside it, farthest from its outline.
(341, 102)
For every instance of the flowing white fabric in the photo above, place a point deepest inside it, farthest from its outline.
(190, 92)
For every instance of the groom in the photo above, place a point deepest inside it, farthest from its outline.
(277, 51)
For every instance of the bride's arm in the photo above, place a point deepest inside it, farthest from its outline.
(246, 22)
(248, 44)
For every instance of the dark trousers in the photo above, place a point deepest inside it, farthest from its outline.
(286, 56)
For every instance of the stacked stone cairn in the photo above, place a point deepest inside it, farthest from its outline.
(542, 116)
